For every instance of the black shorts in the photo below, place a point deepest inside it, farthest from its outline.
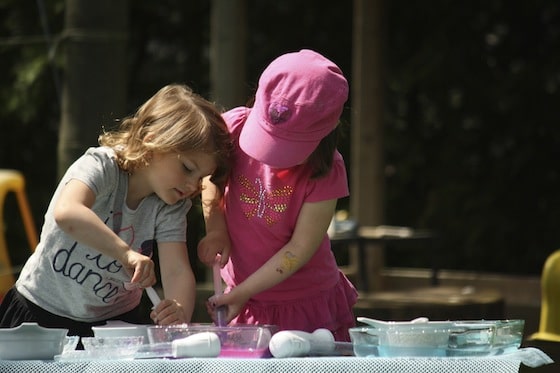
(15, 309)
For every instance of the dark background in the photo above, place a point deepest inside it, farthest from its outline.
(472, 109)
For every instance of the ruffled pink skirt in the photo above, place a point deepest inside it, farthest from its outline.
(331, 309)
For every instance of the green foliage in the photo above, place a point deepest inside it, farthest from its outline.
(169, 42)
(30, 107)
(472, 134)
(29, 110)
(472, 107)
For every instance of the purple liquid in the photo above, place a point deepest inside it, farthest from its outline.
(221, 316)
(244, 353)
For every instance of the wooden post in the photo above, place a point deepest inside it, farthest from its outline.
(367, 181)
(227, 52)
(94, 45)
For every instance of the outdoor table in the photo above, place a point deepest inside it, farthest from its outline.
(271, 365)
(375, 235)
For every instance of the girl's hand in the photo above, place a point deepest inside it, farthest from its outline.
(168, 312)
(234, 304)
(215, 242)
(141, 267)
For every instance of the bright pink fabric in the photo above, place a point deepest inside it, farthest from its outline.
(298, 102)
(262, 206)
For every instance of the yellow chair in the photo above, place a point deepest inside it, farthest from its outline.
(13, 181)
(549, 324)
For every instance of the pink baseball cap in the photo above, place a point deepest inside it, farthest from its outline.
(298, 102)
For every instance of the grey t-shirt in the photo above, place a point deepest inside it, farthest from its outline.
(69, 279)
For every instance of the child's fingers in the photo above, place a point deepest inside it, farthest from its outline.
(130, 286)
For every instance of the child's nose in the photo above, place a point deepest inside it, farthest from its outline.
(193, 185)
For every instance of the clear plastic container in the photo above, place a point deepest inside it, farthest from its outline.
(112, 347)
(450, 338)
(238, 340)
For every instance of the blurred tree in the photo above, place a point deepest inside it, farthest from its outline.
(471, 106)
(228, 52)
(94, 80)
(29, 109)
(472, 135)
(367, 166)
(169, 42)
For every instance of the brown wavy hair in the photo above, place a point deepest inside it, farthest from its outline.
(175, 119)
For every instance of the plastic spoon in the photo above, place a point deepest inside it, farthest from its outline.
(153, 295)
(221, 310)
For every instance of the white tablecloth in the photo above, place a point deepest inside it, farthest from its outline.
(496, 364)
(319, 365)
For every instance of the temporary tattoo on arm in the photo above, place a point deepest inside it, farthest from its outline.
(289, 261)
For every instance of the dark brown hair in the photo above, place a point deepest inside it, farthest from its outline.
(321, 160)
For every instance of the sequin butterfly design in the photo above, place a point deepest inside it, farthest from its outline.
(257, 201)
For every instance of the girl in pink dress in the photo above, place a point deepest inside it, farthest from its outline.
(270, 227)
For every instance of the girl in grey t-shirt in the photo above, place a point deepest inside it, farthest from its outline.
(114, 206)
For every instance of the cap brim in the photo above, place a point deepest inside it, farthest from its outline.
(271, 150)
